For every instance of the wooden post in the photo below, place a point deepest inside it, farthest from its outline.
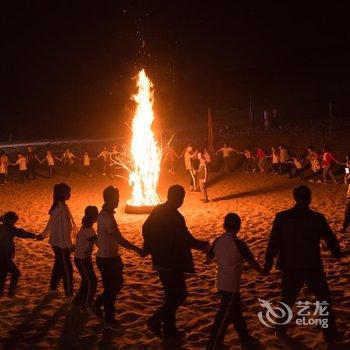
(210, 133)
(251, 112)
(331, 117)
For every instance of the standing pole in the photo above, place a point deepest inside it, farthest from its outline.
(331, 117)
(210, 132)
(251, 112)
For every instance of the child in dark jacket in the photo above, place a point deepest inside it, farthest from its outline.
(8, 231)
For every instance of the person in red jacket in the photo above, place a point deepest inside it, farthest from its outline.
(327, 160)
(260, 156)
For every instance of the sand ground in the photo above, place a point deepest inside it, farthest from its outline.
(32, 321)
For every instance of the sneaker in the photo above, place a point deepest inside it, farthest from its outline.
(319, 181)
(311, 181)
(113, 325)
(104, 174)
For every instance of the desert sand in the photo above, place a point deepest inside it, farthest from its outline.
(33, 321)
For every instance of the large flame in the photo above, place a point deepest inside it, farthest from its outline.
(145, 151)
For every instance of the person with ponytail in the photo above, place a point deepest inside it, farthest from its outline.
(59, 229)
(8, 231)
(86, 238)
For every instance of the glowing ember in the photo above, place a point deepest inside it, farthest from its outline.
(145, 152)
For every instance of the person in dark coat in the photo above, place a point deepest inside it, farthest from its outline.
(8, 231)
(295, 241)
(169, 242)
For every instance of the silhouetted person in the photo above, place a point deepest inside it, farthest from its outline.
(169, 242)
(32, 158)
(8, 231)
(295, 241)
(109, 262)
(229, 252)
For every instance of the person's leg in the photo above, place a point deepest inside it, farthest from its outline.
(15, 274)
(237, 318)
(191, 178)
(175, 293)
(3, 274)
(56, 274)
(21, 176)
(330, 172)
(227, 164)
(114, 285)
(104, 276)
(80, 296)
(292, 282)
(317, 283)
(203, 188)
(324, 174)
(92, 281)
(67, 272)
(221, 322)
(2, 179)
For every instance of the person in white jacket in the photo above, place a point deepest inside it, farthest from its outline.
(229, 252)
(60, 229)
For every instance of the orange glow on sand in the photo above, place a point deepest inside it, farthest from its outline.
(145, 152)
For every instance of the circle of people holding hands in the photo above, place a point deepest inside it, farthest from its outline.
(168, 241)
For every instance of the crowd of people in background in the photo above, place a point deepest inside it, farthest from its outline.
(169, 243)
(27, 163)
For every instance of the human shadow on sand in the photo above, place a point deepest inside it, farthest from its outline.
(256, 191)
(23, 336)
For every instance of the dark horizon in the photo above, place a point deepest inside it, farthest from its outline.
(67, 71)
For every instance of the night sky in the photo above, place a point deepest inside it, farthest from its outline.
(66, 70)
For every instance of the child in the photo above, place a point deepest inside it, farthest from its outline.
(229, 251)
(22, 163)
(106, 156)
(284, 158)
(189, 157)
(87, 164)
(249, 167)
(50, 159)
(82, 259)
(327, 160)
(260, 156)
(108, 259)
(68, 161)
(203, 177)
(59, 229)
(275, 157)
(298, 166)
(314, 164)
(8, 231)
